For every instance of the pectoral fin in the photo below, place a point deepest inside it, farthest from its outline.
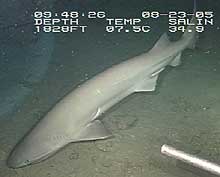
(147, 85)
(162, 43)
(93, 131)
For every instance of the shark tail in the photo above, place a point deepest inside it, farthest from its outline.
(190, 32)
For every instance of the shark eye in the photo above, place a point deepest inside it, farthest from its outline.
(27, 161)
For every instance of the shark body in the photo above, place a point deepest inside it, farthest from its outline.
(74, 118)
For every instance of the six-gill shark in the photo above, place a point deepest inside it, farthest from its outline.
(74, 118)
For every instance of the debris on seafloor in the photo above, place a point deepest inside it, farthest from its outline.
(191, 159)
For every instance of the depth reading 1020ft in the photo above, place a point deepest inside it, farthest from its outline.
(64, 21)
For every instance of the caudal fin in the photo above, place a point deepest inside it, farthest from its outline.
(190, 32)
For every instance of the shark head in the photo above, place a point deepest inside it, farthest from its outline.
(35, 147)
(26, 154)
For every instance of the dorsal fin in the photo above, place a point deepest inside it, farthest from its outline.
(162, 42)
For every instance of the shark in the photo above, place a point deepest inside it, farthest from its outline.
(75, 117)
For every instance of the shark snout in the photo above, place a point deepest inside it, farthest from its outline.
(23, 154)
(15, 160)
(12, 163)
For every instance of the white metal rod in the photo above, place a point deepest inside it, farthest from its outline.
(191, 159)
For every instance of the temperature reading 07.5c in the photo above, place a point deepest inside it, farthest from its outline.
(126, 25)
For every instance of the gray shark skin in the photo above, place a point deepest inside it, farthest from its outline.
(74, 118)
